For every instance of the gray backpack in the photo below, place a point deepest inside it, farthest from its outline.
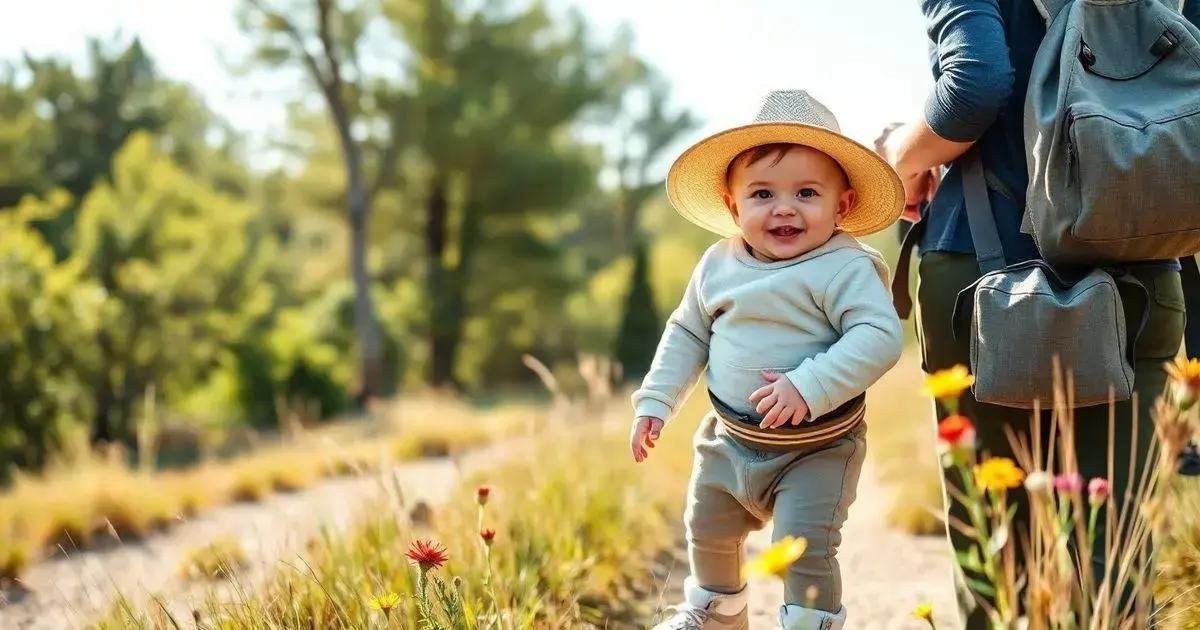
(1112, 136)
(1112, 133)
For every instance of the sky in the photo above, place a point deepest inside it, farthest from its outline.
(865, 59)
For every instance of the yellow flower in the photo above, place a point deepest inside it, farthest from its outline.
(776, 559)
(948, 383)
(924, 611)
(998, 473)
(1185, 379)
(385, 602)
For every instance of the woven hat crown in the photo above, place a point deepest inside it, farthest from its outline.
(796, 106)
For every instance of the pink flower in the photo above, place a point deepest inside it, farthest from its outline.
(482, 493)
(1068, 483)
(1097, 490)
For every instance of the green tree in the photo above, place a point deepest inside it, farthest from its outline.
(323, 38)
(48, 312)
(181, 265)
(649, 131)
(61, 129)
(494, 95)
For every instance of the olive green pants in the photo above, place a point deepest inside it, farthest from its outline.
(941, 275)
(807, 492)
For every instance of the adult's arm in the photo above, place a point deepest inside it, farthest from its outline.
(975, 82)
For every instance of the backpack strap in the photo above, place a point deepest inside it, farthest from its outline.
(1050, 8)
(1190, 277)
(901, 296)
(988, 250)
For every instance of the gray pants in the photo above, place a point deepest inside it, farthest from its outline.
(736, 489)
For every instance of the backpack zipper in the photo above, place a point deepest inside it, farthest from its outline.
(1071, 150)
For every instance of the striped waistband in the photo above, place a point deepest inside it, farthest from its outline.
(823, 430)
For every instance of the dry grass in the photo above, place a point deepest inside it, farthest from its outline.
(83, 503)
(563, 554)
(216, 560)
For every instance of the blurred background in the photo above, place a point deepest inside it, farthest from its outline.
(221, 212)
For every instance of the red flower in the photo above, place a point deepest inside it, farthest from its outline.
(481, 494)
(956, 430)
(427, 553)
(487, 535)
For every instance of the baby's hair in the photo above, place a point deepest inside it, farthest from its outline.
(777, 149)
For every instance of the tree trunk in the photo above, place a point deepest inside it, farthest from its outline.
(102, 430)
(438, 279)
(366, 326)
(358, 205)
(460, 281)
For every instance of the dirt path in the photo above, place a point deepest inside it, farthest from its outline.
(72, 591)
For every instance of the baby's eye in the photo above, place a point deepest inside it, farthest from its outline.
(808, 192)
(761, 193)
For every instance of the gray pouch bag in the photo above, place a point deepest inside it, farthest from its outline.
(1026, 318)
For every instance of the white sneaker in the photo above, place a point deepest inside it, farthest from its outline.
(706, 610)
(793, 617)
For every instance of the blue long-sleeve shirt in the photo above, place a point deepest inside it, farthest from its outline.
(982, 52)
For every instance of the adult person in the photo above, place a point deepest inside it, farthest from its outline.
(982, 52)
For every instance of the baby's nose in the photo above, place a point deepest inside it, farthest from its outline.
(784, 207)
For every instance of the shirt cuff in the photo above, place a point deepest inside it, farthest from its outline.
(653, 408)
(810, 389)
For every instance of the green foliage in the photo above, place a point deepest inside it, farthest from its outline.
(139, 251)
(67, 127)
(181, 267)
(47, 315)
(641, 325)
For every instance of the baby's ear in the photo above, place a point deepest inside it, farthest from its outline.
(731, 204)
(846, 203)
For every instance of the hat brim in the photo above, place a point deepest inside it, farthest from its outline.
(696, 181)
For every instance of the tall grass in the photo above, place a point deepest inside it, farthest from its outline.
(1053, 583)
(579, 529)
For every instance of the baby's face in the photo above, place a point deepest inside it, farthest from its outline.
(788, 208)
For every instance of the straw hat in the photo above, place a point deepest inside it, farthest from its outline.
(696, 182)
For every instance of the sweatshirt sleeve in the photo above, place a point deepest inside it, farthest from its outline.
(681, 355)
(976, 75)
(860, 309)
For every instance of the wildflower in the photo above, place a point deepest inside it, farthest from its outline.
(1039, 482)
(949, 383)
(427, 554)
(998, 473)
(1068, 483)
(956, 430)
(385, 602)
(487, 535)
(777, 558)
(481, 494)
(1097, 490)
(924, 611)
(1185, 380)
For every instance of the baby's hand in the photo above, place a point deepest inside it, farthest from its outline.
(642, 435)
(779, 401)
